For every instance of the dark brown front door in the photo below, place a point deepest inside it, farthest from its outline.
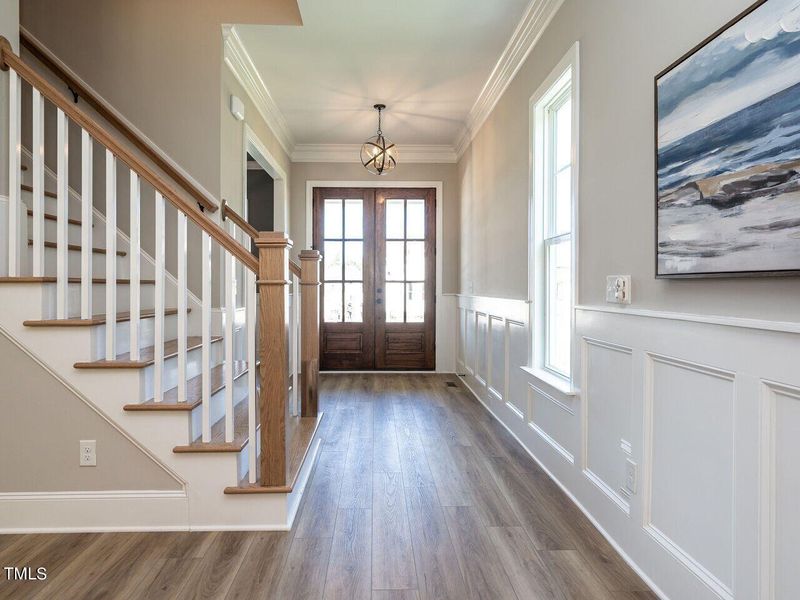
(377, 306)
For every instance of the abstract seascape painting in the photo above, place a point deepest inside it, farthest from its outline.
(728, 150)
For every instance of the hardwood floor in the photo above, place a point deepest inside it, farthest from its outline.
(417, 494)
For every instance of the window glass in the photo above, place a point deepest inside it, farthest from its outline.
(395, 305)
(395, 226)
(333, 219)
(559, 305)
(394, 261)
(353, 302)
(353, 260)
(415, 261)
(333, 261)
(415, 219)
(333, 303)
(563, 141)
(415, 302)
(353, 219)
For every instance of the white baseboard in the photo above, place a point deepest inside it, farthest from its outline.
(569, 494)
(101, 511)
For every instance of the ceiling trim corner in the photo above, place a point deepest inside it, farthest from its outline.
(242, 66)
(350, 153)
(534, 21)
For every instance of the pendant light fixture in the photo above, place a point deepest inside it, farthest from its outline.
(379, 155)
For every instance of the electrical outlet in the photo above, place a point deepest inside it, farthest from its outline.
(88, 457)
(618, 289)
(631, 469)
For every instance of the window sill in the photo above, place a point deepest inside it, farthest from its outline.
(561, 385)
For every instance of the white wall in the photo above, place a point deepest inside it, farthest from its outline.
(709, 410)
(696, 381)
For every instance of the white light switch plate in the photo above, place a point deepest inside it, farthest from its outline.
(618, 289)
(88, 456)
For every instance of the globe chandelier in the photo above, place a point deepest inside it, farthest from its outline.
(379, 155)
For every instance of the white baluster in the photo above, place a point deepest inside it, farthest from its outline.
(182, 306)
(14, 166)
(37, 146)
(62, 214)
(158, 371)
(252, 412)
(230, 313)
(111, 256)
(135, 255)
(205, 367)
(86, 224)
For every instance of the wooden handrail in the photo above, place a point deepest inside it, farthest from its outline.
(43, 56)
(9, 59)
(229, 213)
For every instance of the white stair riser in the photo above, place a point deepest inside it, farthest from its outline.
(51, 204)
(218, 406)
(193, 366)
(146, 294)
(146, 335)
(74, 258)
(73, 232)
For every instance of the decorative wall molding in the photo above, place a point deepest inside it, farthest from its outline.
(244, 69)
(350, 153)
(534, 21)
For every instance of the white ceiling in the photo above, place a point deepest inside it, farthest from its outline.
(427, 60)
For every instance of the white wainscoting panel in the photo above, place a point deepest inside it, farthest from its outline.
(694, 402)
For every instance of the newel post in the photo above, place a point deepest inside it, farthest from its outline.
(309, 328)
(273, 280)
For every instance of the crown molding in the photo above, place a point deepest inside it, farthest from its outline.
(244, 69)
(534, 21)
(350, 153)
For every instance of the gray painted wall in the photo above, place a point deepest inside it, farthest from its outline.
(42, 425)
(623, 45)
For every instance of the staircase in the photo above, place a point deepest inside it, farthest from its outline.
(218, 386)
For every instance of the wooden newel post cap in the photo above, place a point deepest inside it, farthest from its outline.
(5, 46)
(310, 255)
(273, 239)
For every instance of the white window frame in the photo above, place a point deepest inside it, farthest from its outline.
(551, 92)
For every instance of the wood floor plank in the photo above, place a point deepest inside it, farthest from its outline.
(168, 577)
(260, 571)
(395, 595)
(385, 452)
(392, 552)
(492, 504)
(304, 574)
(574, 577)
(438, 572)
(349, 575)
(526, 571)
(216, 570)
(483, 572)
(453, 490)
(356, 491)
(546, 528)
(318, 517)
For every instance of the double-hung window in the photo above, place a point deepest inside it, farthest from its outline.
(553, 203)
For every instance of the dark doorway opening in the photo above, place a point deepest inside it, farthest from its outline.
(260, 197)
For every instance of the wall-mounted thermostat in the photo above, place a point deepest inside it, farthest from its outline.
(618, 289)
(237, 108)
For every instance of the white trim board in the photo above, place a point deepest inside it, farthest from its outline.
(253, 145)
(445, 304)
(110, 108)
(240, 63)
(534, 21)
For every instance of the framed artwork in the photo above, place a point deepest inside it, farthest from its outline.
(728, 150)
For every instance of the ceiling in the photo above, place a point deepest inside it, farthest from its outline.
(427, 60)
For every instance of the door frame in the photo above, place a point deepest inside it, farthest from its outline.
(444, 345)
(253, 145)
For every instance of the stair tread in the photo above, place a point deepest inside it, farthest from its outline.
(217, 442)
(300, 432)
(51, 217)
(77, 247)
(194, 391)
(100, 319)
(48, 279)
(146, 355)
